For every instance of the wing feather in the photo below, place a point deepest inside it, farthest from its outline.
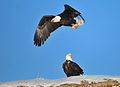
(45, 27)
(75, 67)
(69, 12)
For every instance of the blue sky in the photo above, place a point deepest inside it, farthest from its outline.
(95, 46)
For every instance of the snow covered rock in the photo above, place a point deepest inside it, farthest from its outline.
(76, 80)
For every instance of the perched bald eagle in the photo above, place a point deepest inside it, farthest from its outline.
(50, 23)
(71, 68)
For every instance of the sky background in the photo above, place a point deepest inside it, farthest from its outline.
(95, 46)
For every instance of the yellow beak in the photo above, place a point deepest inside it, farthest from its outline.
(70, 54)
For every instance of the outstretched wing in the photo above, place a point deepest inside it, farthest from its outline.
(45, 27)
(70, 12)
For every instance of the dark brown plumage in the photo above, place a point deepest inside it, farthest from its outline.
(45, 27)
(71, 68)
(48, 25)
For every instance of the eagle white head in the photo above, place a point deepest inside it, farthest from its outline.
(69, 57)
(56, 19)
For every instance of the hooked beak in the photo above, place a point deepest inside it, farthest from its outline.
(52, 20)
(70, 54)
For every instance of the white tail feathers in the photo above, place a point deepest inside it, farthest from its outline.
(79, 22)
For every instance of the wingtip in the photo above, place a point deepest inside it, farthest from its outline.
(37, 44)
(37, 39)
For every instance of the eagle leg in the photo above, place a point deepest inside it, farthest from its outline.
(75, 26)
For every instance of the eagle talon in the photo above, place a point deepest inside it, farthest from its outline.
(50, 23)
(75, 26)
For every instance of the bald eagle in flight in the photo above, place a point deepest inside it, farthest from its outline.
(50, 23)
(71, 68)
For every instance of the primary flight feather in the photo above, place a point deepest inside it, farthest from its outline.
(50, 23)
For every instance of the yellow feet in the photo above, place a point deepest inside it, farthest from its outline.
(75, 26)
